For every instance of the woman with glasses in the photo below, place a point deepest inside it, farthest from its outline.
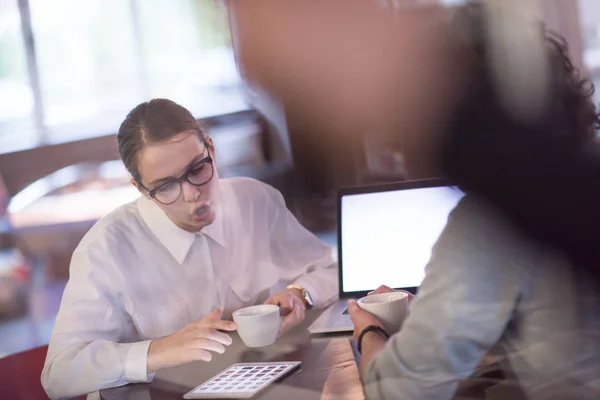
(152, 283)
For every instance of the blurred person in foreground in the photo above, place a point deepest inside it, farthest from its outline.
(489, 279)
(355, 66)
(152, 283)
(487, 282)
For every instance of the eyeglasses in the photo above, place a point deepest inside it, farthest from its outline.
(198, 174)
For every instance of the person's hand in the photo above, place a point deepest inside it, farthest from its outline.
(372, 342)
(387, 289)
(361, 318)
(381, 289)
(194, 342)
(291, 307)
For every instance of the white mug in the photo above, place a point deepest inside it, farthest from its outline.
(258, 325)
(389, 308)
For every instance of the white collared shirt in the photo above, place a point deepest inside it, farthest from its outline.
(136, 276)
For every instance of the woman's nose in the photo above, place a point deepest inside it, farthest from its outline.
(190, 192)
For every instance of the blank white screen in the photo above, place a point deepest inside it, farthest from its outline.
(387, 237)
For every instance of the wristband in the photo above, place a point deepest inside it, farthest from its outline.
(371, 328)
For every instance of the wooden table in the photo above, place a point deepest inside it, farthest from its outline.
(329, 371)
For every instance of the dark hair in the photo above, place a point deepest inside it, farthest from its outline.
(152, 122)
(485, 141)
(541, 175)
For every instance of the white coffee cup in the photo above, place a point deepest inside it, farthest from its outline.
(258, 325)
(389, 308)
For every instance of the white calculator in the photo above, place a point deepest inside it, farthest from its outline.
(242, 380)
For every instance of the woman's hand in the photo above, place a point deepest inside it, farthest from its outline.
(291, 307)
(194, 342)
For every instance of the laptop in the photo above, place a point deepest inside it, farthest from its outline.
(385, 237)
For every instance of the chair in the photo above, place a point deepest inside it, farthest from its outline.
(20, 378)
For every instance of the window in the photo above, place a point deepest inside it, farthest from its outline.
(16, 99)
(97, 59)
(589, 17)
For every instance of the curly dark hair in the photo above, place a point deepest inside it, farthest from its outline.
(484, 133)
(542, 174)
(570, 111)
(575, 101)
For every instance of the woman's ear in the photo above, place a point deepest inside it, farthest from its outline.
(211, 148)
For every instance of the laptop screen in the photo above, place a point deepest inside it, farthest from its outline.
(387, 236)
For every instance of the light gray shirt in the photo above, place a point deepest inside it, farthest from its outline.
(486, 283)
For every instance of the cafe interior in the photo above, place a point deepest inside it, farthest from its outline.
(69, 73)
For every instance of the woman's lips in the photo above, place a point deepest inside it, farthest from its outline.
(201, 213)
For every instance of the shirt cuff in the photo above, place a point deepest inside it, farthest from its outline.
(136, 363)
(372, 382)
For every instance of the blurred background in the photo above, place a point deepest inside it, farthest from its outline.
(70, 70)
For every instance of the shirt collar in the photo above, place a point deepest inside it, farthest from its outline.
(176, 240)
